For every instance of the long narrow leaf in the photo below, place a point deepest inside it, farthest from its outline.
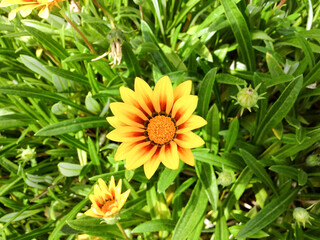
(279, 109)
(268, 214)
(241, 32)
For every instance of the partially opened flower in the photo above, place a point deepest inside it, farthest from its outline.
(28, 5)
(155, 125)
(107, 201)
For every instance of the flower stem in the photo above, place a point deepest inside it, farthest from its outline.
(105, 12)
(122, 231)
(79, 32)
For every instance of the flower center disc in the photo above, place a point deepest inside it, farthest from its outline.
(161, 130)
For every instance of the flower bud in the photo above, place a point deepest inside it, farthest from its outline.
(248, 97)
(27, 154)
(301, 215)
(313, 160)
(225, 178)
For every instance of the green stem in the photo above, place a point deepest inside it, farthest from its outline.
(106, 13)
(122, 231)
(79, 32)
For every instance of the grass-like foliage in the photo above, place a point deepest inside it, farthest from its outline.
(255, 69)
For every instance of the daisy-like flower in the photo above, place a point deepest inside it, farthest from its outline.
(107, 201)
(29, 5)
(155, 126)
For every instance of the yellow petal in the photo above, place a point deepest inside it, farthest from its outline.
(126, 134)
(144, 95)
(193, 122)
(128, 114)
(103, 186)
(182, 89)
(163, 95)
(186, 156)
(129, 96)
(112, 186)
(189, 140)
(90, 213)
(169, 155)
(183, 108)
(139, 155)
(44, 12)
(115, 122)
(122, 150)
(152, 165)
(123, 198)
(27, 9)
(6, 3)
(12, 14)
(119, 186)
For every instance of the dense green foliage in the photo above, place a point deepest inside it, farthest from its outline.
(255, 168)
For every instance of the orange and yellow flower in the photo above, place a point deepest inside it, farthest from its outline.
(29, 5)
(155, 126)
(107, 201)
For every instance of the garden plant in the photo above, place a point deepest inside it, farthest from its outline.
(155, 119)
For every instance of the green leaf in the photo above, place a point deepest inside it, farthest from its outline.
(52, 46)
(205, 90)
(38, 93)
(291, 149)
(258, 169)
(273, 66)
(207, 177)
(95, 227)
(154, 226)
(241, 32)
(79, 57)
(167, 177)
(192, 213)
(279, 109)
(72, 125)
(212, 129)
(268, 214)
(14, 121)
(131, 62)
(36, 66)
(232, 134)
(237, 190)
(69, 169)
(94, 155)
(159, 58)
(293, 173)
(17, 216)
(313, 75)
(203, 155)
(221, 229)
(229, 79)
(71, 76)
(183, 12)
(183, 187)
(306, 48)
(55, 234)
(302, 177)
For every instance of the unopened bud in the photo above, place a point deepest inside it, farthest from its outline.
(313, 160)
(248, 97)
(301, 215)
(225, 178)
(27, 154)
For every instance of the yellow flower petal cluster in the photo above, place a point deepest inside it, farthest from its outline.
(155, 126)
(28, 5)
(107, 201)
